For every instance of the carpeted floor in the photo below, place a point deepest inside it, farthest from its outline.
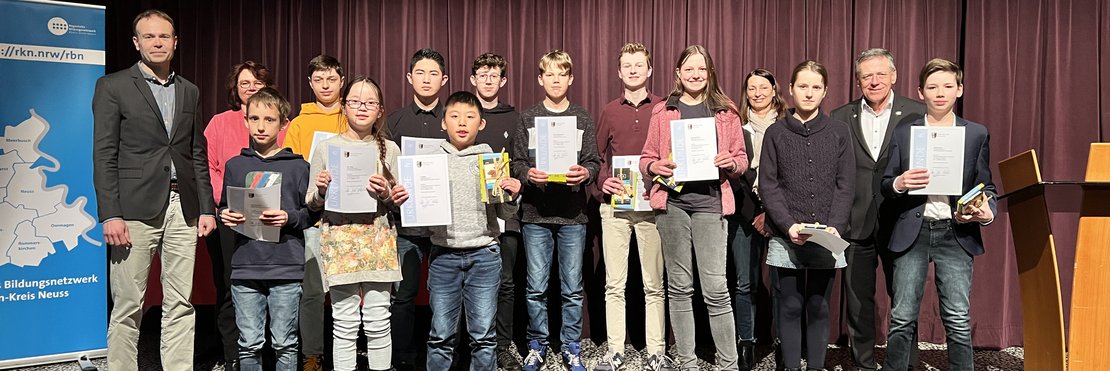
(933, 357)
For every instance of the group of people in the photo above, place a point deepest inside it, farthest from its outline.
(161, 178)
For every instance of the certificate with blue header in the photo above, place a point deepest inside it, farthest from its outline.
(557, 143)
(350, 168)
(425, 178)
(694, 145)
(941, 151)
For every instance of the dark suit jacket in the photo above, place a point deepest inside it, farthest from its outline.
(748, 205)
(869, 172)
(906, 209)
(132, 153)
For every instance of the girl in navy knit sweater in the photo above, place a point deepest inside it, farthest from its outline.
(805, 176)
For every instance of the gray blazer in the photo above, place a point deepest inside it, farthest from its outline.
(132, 152)
(869, 172)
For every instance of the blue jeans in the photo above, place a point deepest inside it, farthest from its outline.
(254, 300)
(411, 251)
(953, 268)
(746, 247)
(466, 280)
(539, 246)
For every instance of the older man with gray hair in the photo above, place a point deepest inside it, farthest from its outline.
(872, 119)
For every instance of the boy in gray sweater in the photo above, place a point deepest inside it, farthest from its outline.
(465, 262)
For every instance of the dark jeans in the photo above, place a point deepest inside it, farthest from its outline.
(221, 246)
(746, 247)
(542, 243)
(463, 283)
(412, 251)
(953, 267)
(506, 295)
(803, 292)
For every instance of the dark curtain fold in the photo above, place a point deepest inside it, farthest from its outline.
(1034, 71)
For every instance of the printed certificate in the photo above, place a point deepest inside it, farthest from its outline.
(251, 202)
(351, 168)
(694, 144)
(941, 150)
(425, 178)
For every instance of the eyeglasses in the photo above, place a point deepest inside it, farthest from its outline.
(248, 84)
(370, 105)
(880, 75)
(487, 77)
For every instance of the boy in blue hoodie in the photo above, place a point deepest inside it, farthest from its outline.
(465, 262)
(266, 276)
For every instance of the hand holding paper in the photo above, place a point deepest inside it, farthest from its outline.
(400, 195)
(231, 218)
(577, 174)
(511, 185)
(663, 168)
(536, 176)
(379, 186)
(912, 179)
(724, 161)
(827, 237)
(613, 186)
(274, 218)
(322, 182)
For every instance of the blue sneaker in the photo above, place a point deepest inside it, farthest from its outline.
(572, 357)
(536, 353)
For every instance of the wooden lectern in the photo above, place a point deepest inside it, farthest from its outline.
(1043, 317)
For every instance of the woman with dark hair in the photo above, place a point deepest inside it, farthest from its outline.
(760, 108)
(691, 222)
(806, 175)
(227, 135)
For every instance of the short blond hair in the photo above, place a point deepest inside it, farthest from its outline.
(633, 48)
(557, 58)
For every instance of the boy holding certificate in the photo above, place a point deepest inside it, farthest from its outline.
(622, 131)
(420, 118)
(266, 276)
(931, 227)
(465, 262)
(553, 212)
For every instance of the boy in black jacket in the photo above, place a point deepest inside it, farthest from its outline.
(266, 276)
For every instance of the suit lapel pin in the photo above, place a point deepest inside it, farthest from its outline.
(855, 115)
(898, 113)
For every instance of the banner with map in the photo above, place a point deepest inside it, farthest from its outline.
(53, 284)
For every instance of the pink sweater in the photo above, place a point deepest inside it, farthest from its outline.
(227, 135)
(658, 146)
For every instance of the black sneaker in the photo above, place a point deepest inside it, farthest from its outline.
(508, 361)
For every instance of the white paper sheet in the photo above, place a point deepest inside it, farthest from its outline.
(420, 146)
(820, 236)
(941, 150)
(425, 177)
(694, 145)
(251, 202)
(557, 143)
(351, 168)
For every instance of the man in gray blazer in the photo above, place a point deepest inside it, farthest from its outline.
(153, 192)
(872, 119)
